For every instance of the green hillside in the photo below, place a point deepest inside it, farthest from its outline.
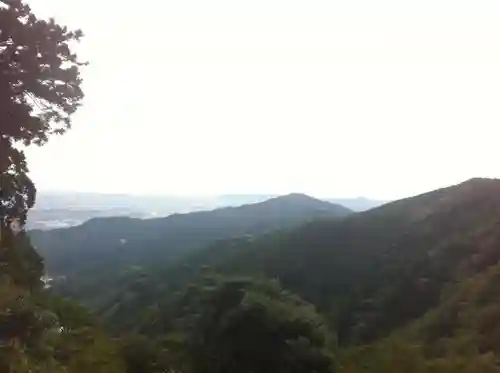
(368, 273)
(95, 256)
(376, 270)
(410, 286)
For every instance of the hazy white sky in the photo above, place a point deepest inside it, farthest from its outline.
(384, 98)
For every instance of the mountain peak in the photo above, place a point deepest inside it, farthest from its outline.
(297, 198)
(477, 188)
(481, 179)
(481, 182)
(301, 201)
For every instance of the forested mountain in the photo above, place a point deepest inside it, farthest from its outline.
(288, 285)
(372, 274)
(146, 241)
(119, 242)
(65, 209)
(409, 286)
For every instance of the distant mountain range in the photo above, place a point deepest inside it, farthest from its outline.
(370, 272)
(412, 285)
(125, 241)
(65, 209)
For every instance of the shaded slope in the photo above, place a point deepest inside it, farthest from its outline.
(460, 335)
(389, 264)
(374, 271)
(125, 241)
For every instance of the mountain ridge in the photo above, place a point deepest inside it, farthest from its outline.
(66, 209)
(397, 257)
(292, 199)
(134, 239)
(409, 286)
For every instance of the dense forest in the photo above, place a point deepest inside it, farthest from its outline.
(291, 284)
(164, 240)
(409, 285)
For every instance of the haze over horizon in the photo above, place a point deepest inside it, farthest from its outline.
(332, 99)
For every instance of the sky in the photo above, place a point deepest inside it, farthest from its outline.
(383, 99)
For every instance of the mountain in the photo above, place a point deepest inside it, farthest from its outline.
(412, 285)
(354, 204)
(66, 209)
(371, 272)
(387, 265)
(123, 241)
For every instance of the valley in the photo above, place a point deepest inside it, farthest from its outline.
(204, 210)
(390, 273)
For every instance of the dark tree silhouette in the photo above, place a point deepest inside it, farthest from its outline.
(40, 88)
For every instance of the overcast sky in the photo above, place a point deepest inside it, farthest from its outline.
(384, 98)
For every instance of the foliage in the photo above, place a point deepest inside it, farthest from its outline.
(428, 305)
(410, 286)
(460, 335)
(40, 333)
(39, 91)
(368, 273)
(34, 337)
(108, 247)
(248, 325)
(21, 262)
(145, 355)
(402, 356)
(224, 324)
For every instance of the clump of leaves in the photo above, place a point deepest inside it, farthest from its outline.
(248, 325)
(40, 89)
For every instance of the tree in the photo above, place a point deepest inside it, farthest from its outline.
(247, 325)
(22, 263)
(40, 88)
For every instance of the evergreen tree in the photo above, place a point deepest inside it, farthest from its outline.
(248, 325)
(40, 88)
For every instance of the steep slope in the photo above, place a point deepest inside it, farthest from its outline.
(41, 333)
(370, 272)
(460, 335)
(122, 241)
(390, 264)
